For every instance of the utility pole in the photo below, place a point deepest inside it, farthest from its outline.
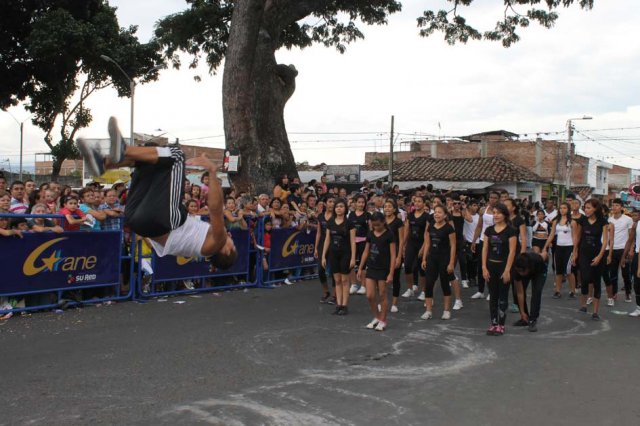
(391, 154)
(570, 149)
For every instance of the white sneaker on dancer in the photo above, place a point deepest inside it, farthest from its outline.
(394, 309)
(362, 290)
(381, 326)
(372, 324)
(589, 300)
(465, 283)
(353, 289)
(457, 305)
(427, 315)
(478, 295)
(610, 301)
(422, 296)
(488, 297)
(446, 315)
(635, 313)
(414, 288)
(407, 294)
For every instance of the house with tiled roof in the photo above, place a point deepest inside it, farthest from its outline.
(471, 175)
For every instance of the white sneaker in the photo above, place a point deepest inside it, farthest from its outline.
(394, 309)
(288, 282)
(422, 296)
(457, 305)
(414, 288)
(610, 301)
(589, 300)
(372, 324)
(427, 315)
(408, 293)
(188, 284)
(379, 308)
(478, 295)
(362, 290)
(446, 315)
(465, 284)
(488, 297)
(635, 313)
(353, 289)
(381, 326)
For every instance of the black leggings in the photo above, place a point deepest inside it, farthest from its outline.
(611, 274)
(636, 280)
(479, 268)
(562, 257)
(462, 260)
(471, 260)
(499, 292)
(411, 260)
(437, 267)
(396, 282)
(590, 274)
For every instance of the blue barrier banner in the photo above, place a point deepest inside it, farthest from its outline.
(42, 261)
(292, 248)
(175, 268)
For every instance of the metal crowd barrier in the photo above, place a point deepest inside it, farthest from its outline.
(291, 254)
(48, 270)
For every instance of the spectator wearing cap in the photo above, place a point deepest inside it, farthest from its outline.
(42, 224)
(18, 206)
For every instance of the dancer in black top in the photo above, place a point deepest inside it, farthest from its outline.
(321, 233)
(379, 257)
(517, 222)
(530, 268)
(414, 228)
(359, 219)
(498, 254)
(395, 225)
(593, 239)
(154, 202)
(340, 252)
(439, 259)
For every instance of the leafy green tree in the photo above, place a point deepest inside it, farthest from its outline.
(51, 60)
(247, 33)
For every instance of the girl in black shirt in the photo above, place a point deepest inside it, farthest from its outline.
(380, 258)
(498, 253)
(439, 259)
(321, 232)
(593, 238)
(340, 251)
(517, 222)
(414, 228)
(395, 225)
(359, 219)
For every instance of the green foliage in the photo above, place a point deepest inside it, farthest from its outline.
(51, 60)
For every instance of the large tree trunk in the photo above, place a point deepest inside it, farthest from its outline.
(254, 94)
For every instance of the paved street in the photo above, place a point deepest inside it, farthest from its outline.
(277, 357)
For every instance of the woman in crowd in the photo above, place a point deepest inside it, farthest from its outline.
(340, 253)
(41, 224)
(196, 194)
(498, 254)
(565, 230)
(379, 256)
(540, 232)
(232, 220)
(485, 220)
(204, 187)
(438, 260)
(274, 211)
(321, 233)
(281, 189)
(517, 222)
(395, 225)
(414, 229)
(359, 220)
(593, 239)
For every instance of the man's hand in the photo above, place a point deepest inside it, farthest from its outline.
(204, 162)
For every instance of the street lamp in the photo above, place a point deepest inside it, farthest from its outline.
(132, 87)
(21, 124)
(570, 151)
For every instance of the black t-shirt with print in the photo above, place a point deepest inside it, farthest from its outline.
(517, 222)
(499, 242)
(417, 226)
(591, 235)
(360, 223)
(439, 240)
(395, 227)
(380, 250)
(339, 234)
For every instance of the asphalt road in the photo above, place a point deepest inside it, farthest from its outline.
(277, 357)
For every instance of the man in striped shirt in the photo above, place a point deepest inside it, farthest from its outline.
(17, 198)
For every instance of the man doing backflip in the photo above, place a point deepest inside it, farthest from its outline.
(154, 204)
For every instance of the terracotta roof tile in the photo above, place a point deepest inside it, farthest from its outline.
(491, 169)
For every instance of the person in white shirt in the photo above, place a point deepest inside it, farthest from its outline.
(471, 218)
(550, 211)
(621, 230)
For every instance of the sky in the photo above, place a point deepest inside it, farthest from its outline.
(587, 65)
